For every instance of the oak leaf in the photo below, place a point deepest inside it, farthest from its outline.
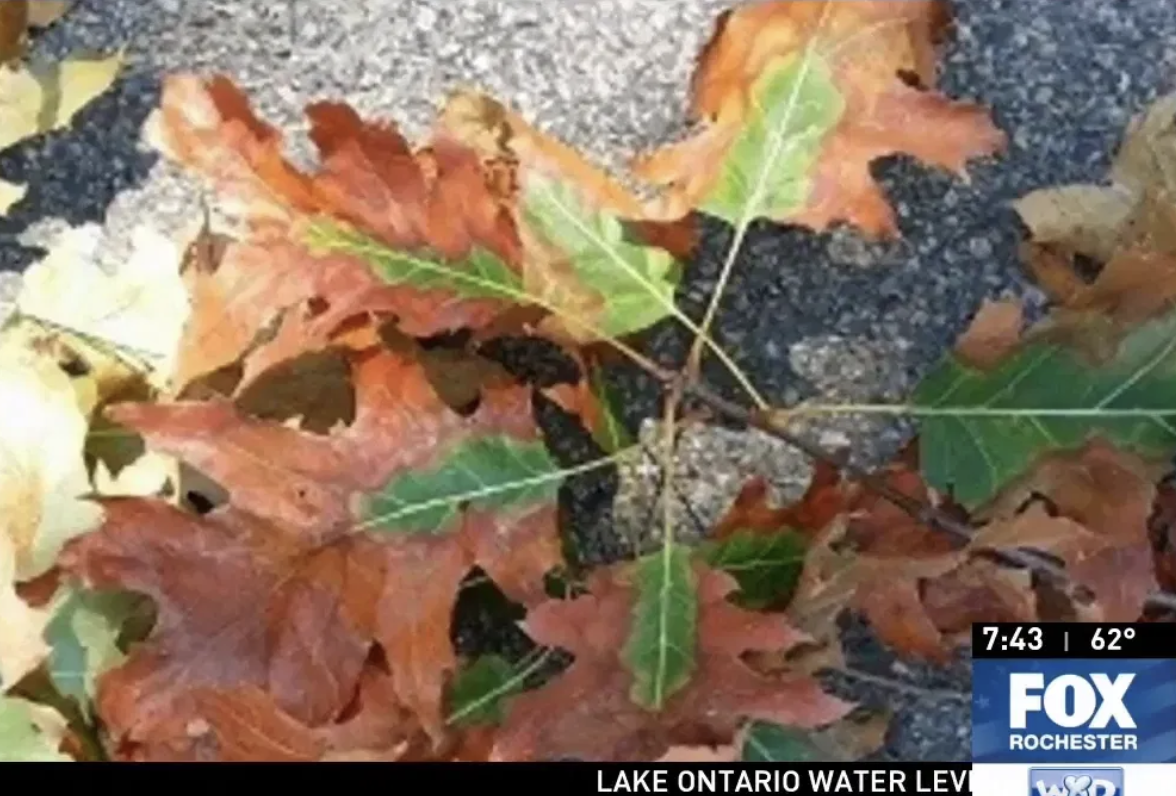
(378, 229)
(357, 537)
(1108, 494)
(246, 724)
(579, 260)
(798, 98)
(587, 713)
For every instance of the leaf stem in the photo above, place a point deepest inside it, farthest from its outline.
(751, 209)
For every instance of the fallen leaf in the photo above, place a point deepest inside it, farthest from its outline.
(378, 229)
(577, 258)
(1110, 494)
(1125, 227)
(799, 98)
(982, 429)
(42, 433)
(850, 739)
(83, 634)
(36, 100)
(133, 318)
(587, 713)
(824, 499)
(434, 493)
(244, 724)
(22, 645)
(43, 13)
(14, 23)
(918, 587)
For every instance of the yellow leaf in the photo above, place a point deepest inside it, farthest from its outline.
(22, 645)
(42, 471)
(10, 194)
(135, 315)
(35, 100)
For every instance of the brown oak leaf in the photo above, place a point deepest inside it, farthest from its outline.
(1107, 497)
(435, 201)
(586, 711)
(330, 543)
(1125, 228)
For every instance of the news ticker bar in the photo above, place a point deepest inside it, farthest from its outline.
(572, 779)
(1093, 640)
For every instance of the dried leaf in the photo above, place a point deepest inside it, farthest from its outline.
(994, 333)
(1126, 227)
(586, 712)
(36, 100)
(131, 318)
(799, 98)
(435, 492)
(378, 229)
(10, 194)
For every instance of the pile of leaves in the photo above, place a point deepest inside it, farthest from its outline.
(244, 484)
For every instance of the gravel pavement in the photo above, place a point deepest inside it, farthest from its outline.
(806, 314)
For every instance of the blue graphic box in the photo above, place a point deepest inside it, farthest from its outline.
(1083, 702)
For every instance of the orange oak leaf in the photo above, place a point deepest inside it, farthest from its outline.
(799, 98)
(586, 712)
(330, 543)
(432, 206)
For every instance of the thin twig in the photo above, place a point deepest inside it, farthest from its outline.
(895, 684)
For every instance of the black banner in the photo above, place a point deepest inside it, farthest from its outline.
(569, 779)
(1092, 640)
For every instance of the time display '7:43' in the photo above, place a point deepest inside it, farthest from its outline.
(1016, 637)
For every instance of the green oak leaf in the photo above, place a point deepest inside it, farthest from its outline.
(770, 743)
(634, 282)
(480, 691)
(661, 647)
(767, 566)
(794, 107)
(981, 429)
(481, 275)
(486, 473)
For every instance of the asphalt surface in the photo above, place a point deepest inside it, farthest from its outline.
(805, 315)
